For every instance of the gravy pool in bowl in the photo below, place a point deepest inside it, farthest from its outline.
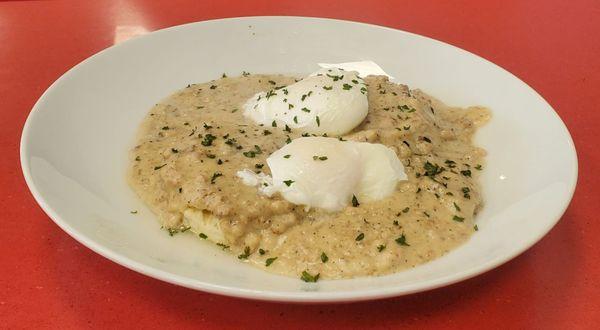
(192, 145)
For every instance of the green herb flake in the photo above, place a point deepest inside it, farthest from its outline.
(475, 228)
(215, 176)
(458, 219)
(208, 140)
(202, 235)
(305, 109)
(363, 90)
(466, 173)
(261, 252)
(402, 240)
(223, 246)
(159, 167)
(274, 124)
(456, 207)
(270, 93)
(290, 106)
(360, 237)
(347, 87)
(259, 165)
(381, 247)
(267, 132)
(327, 88)
(287, 156)
(355, 202)
(269, 261)
(296, 119)
(478, 167)
(466, 191)
(318, 121)
(133, 212)
(246, 253)
(307, 277)
(324, 257)
(288, 182)
(287, 128)
(272, 82)
(406, 209)
(213, 86)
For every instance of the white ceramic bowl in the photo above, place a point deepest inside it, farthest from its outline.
(75, 142)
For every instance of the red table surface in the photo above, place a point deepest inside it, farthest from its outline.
(47, 279)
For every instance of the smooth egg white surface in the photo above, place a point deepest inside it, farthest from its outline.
(329, 101)
(326, 172)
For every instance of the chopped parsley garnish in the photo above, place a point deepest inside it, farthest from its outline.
(213, 86)
(211, 156)
(307, 277)
(327, 88)
(261, 252)
(380, 247)
(458, 219)
(478, 167)
(305, 109)
(223, 246)
(426, 214)
(245, 74)
(159, 167)
(318, 121)
(288, 182)
(184, 229)
(287, 156)
(355, 202)
(287, 128)
(324, 257)
(173, 150)
(208, 140)
(269, 261)
(253, 153)
(259, 165)
(246, 253)
(466, 173)
(290, 106)
(267, 132)
(476, 228)
(206, 126)
(133, 212)
(272, 82)
(466, 191)
(319, 157)
(288, 140)
(165, 128)
(285, 91)
(450, 163)
(270, 93)
(274, 124)
(215, 176)
(137, 158)
(402, 240)
(219, 162)
(456, 207)
(360, 237)
(363, 90)
(432, 170)
(202, 235)
(335, 78)
(296, 119)
(426, 139)
(347, 87)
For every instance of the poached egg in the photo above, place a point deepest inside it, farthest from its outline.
(331, 101)
(328, 173)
